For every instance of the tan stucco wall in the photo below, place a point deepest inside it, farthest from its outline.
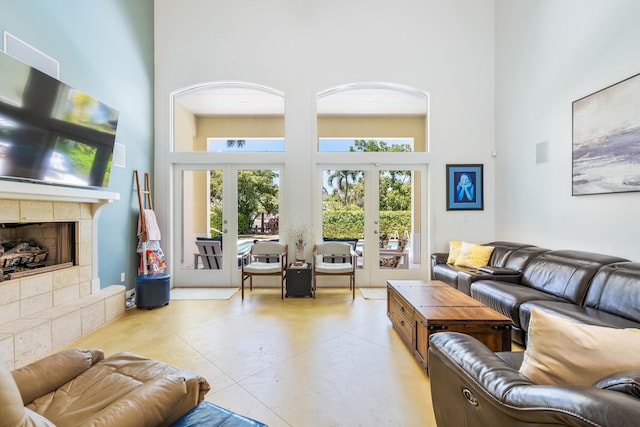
(237, 127)
(375, 127)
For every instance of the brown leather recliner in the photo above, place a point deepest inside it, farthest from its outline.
(78, 387)
(471, 386)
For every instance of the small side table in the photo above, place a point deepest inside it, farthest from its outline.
(299, 281)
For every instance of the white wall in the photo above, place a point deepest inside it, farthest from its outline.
(445, 48)
(550, 53)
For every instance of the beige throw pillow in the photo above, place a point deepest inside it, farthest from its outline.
(562, 352)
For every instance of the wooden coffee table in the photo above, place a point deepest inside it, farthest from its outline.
(417, 309)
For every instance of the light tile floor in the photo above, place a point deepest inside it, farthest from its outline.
(329, 361)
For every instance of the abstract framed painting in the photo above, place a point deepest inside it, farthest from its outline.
(606, 140)
(465, 187)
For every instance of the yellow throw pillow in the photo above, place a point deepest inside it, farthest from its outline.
(563, 352)
(473, 255)
(454, 251)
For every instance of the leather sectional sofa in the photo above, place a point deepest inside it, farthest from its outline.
(82, 388)
(591, 288)
(471, 386)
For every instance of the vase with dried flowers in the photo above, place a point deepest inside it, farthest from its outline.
(298, 233)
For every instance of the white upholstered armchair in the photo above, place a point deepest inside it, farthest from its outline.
(265, 259)
(334, 259)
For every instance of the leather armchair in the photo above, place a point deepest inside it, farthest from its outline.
(472, 386)
(78, 387)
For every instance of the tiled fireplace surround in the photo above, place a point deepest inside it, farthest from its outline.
(41, 313)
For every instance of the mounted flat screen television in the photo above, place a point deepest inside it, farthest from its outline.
(50, 132)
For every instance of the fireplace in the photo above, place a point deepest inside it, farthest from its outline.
(44, 308)
(36, 204)
(32, 248)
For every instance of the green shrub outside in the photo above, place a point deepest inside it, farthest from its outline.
(350, 223)
(343, 223)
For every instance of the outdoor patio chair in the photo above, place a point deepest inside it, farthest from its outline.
(210, 252)
(391, 259)
(265, 259)
(334, 259)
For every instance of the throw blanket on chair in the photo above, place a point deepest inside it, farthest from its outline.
(151, 225)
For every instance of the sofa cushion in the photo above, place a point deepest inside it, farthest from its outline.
(565, 273)
(506, 298)
(563, 352)
(12, 410)
(503, 251)
(473, 255)
(521, 257)
(612, 281)
(466, 278)
(575, 312)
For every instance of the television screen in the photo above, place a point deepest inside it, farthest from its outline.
(50, 132)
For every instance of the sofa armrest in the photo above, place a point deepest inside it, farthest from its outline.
(624, 382)
(197, 387)
(49, 373)
(150, 404)
(472, 386)
(439, 258)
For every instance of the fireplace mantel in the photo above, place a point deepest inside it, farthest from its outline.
(31, 191)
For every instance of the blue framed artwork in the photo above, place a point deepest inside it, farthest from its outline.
(465, 187)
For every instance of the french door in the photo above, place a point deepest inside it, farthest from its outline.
(220, 210)
(384, 206)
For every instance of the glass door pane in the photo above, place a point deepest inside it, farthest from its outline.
(398, 247)
(201, 237)
(343, 212)
(258, 213)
